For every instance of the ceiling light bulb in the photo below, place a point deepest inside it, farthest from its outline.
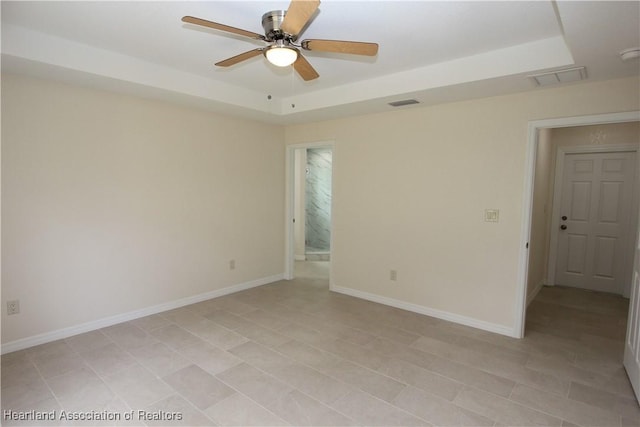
(281, 56)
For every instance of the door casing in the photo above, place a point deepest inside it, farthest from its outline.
(527, 200)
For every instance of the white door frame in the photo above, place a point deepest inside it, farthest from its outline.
(289, 244)
(527, 200)
(557, 194)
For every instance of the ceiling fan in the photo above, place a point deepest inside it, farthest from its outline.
(282, 29)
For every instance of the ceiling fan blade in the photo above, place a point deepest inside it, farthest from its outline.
(222, 27)
(239, 58)
(341, 46)
(298, 14)
(306, 71)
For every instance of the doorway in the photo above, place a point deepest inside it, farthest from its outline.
(309, 210)
(532, 256)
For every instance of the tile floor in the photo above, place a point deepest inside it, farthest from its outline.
(293, 353)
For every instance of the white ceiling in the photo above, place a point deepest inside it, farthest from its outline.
(431, 51)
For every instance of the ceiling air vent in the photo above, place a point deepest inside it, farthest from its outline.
(403, 102)
(560, 76)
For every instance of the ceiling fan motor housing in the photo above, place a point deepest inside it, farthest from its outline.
(271, 22)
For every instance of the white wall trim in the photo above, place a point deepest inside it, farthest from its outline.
(132, 315)
(428, 311)
(527, 199)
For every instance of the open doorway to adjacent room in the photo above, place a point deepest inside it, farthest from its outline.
(310, 202)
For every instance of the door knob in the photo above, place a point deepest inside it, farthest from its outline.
(563, 227)
(564, 217)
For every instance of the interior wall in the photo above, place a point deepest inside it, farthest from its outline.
(411, 188)
(112, 203)
(540, 216)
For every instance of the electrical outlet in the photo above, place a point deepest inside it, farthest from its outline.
(13, 307)
(393, 275)
(491, 215)
(232, 264)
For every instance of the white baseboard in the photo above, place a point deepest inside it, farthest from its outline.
(531, 295)
(300, 257)
(132, 315)
(428, 311)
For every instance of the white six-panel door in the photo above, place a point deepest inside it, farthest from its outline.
(595, 220)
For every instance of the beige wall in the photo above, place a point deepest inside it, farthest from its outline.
(540, 215)
(112, 204)
(411, 187)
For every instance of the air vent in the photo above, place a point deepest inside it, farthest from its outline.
(560, 76)
(403, 102)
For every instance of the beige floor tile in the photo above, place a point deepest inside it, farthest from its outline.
(561, 407)
(174, 411)
(264, 336)
(228, 320)
(215, 334)
(372, 382)
(209, 357)
(259, 386)
(342, 332)
(239, 410)
(355, 353)
(436, 410)
(522, 374)
(301, 410)
(624, 406)
(159, 358)
(58, 365)
(566, 370)
(629, 422)
(175, 337)
(127, 335)
(46, 406)
(228, 303)
(153, 321)
(199, 387)
(265, 319)
(108, 360)
(308, 355)
(471, 376)
(306, 334)
(25, 394)
(18, 371)
(88, 341)
(81, 390)
(367, 410)
(138, 387)
(313, 383)
(293, 352)
(421, 378)
(57, 348)
(260, 356)
(390, 348)
(503, 411)
(182, 316)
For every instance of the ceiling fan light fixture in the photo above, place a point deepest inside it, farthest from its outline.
(281, 55)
